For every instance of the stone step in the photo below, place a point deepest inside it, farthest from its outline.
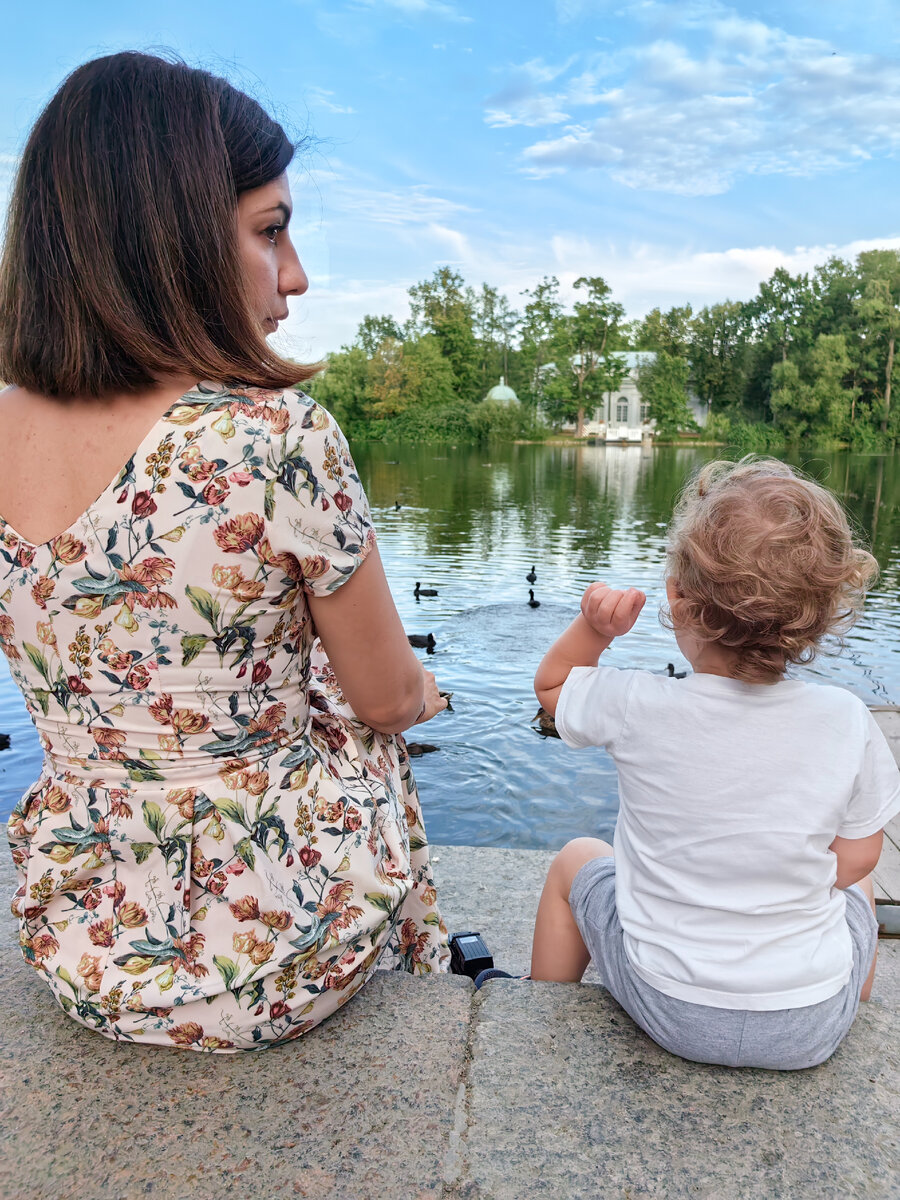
(425, 1088)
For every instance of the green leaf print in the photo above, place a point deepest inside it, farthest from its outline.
(138, 773)
(383, 902)
(208, 608)
(244, 850)
(232, 811)
(142, 850)
(191, 645)
(38, 660)
(227, 968)
(269, 499)
(153, 818)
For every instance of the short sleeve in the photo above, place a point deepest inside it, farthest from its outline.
(315, 507)
(592, 705)
(876, 794)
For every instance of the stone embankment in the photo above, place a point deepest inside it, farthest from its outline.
(426, 1088)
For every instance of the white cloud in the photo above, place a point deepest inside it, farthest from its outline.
(416, 8)
(529, 110)
(752, 100)
(520, 101)
(322, 98)
(413, 206)
(642, 275)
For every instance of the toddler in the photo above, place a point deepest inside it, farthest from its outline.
(735, 923)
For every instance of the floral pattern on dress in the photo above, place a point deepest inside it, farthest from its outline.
(218, 852)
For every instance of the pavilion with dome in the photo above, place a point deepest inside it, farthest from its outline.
(500, 393)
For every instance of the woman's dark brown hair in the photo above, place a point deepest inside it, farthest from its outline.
(121, 259)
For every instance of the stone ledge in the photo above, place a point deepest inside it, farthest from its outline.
(424, 1088)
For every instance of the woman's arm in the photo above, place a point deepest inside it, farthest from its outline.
(856, 857)
(606, 613)
(379, 674)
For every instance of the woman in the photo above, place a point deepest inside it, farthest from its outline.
(226, 839)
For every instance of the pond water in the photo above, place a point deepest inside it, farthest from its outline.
(471, 524)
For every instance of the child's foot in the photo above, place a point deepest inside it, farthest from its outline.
(494, 973)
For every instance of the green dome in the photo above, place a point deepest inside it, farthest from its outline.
(502, 394)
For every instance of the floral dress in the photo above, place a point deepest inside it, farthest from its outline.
(218, 853)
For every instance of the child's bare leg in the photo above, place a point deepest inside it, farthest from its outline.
(868, 887)
(558, 952)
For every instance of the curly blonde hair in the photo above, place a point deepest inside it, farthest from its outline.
(765, 564)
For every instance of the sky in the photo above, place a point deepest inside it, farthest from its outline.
(682, 149)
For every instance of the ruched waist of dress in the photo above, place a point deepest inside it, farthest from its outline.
(118, 766)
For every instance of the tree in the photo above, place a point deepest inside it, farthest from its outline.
(663, 385)
(831, 369)
(879, 307)
(778, 312)
(441, 306)
(539, 324)
(409, 375)
(343, 387)
(718, 340)
(593, 334)
(670, 332)
(373, 331)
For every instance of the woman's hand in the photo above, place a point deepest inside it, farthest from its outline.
(611, 612)
(434, 701)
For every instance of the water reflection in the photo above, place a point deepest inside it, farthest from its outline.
(471, 523)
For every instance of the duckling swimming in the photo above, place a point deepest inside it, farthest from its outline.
(546, 723)
(420, 591)
(532, 603)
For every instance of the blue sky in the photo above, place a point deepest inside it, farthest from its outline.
(682, 149)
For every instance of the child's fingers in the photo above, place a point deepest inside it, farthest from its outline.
(600, 605)
(591, 598)
(612, 611)
(628, 609)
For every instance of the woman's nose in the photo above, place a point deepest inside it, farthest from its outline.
(292, 279)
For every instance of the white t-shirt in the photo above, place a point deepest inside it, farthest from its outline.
(730, 795)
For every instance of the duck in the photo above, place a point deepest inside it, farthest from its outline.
(532, 603)
(420, 591)
(416, 749)
(532, 575)
(673, 674)
(4, 741)
(397, 506)
(424, 641)
(546, 723)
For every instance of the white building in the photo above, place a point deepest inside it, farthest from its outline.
(623, 416)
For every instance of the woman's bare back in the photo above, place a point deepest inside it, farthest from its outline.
(57, 456)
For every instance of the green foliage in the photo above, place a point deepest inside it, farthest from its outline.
(663, 385)
(810, 358)
(444, 308)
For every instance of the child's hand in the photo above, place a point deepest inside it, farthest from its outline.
(609, 611)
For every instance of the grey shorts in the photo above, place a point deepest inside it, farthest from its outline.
(784, 1039)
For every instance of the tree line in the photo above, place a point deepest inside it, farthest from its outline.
(810, 357)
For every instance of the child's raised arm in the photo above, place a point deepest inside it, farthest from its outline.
(606, 613)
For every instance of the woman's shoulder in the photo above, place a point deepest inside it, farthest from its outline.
(222, 416)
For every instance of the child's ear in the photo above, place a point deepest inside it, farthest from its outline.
(673, 592)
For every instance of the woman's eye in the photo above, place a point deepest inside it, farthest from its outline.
(272, 233)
